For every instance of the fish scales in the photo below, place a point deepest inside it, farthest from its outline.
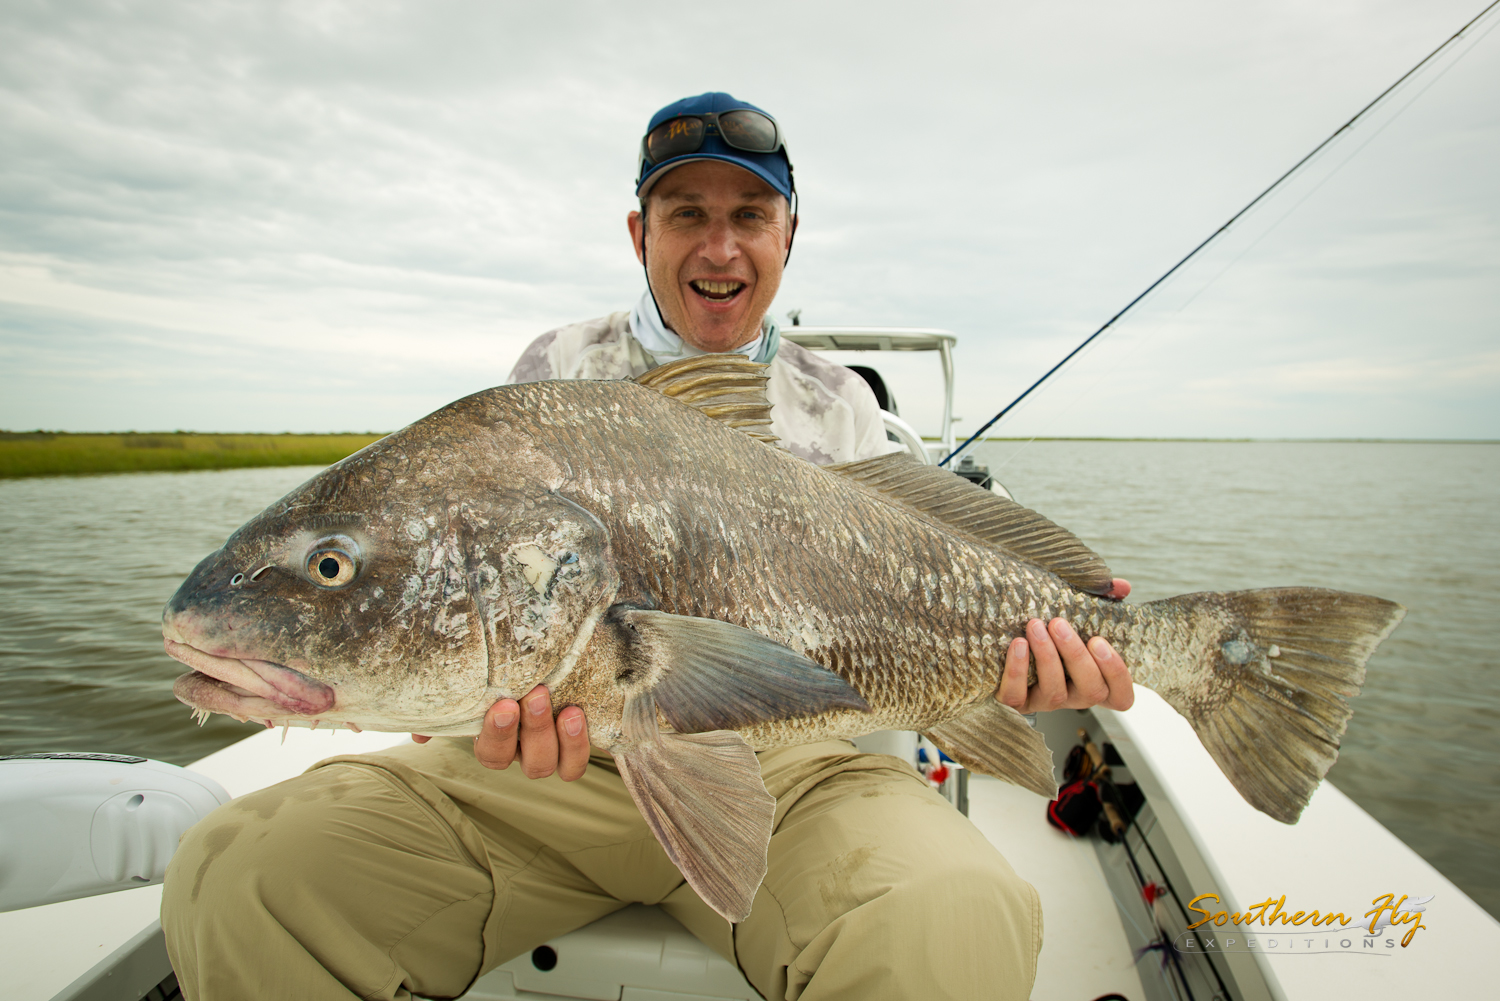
(701, 594)
(910, 679)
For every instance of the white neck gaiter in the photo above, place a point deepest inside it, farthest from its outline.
(663, 345)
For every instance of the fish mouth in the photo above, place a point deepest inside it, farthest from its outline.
(717, 291)
(245, 687)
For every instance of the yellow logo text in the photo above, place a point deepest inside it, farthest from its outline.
(1272, 911)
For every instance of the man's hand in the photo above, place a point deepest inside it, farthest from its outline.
(526, 731)
(1069, 675)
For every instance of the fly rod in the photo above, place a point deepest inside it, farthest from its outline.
(1218, 232)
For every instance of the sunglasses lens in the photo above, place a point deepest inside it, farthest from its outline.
(748, 130)
(678, 137)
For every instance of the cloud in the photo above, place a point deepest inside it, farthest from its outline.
(270, 216)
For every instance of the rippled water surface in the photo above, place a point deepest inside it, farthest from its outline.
(87, 562)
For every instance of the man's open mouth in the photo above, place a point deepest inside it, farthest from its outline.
(717, 291)
(245, 687)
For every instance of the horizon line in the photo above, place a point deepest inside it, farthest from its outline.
(1309, 441)
(928, 439)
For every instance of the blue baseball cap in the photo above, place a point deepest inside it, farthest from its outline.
(773, 167)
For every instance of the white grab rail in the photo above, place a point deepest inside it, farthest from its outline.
(907, 435)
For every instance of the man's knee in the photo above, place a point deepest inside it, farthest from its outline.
(219, 854)
(337, 837)
(286, 834)
(959, 924)
(328, 874)
(212, 900)
(877, 884)
(966, 894)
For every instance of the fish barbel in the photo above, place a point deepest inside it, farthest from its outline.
(643, 549)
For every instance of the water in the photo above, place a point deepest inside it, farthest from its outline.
(87, 562)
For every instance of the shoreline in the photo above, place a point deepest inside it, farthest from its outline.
(55, 453)
(66, 453)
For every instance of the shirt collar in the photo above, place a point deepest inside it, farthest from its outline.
(663, 345)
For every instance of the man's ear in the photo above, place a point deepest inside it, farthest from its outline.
(637, 224)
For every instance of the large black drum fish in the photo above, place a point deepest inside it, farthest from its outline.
(645, 550)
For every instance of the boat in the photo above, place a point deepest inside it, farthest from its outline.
(1137, 910)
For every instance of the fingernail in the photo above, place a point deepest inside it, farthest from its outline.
(537, 704)
(1063, 628)
(574, 726)
(1101, 646)
(505, 719)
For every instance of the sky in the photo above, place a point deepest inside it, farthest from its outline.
(321, 216)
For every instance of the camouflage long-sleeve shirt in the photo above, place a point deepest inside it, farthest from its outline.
(821, 411)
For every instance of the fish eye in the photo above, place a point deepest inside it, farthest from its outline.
(329, 567)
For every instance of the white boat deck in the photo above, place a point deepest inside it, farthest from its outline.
(1338, 857)
(1084, 951)
(45, 949)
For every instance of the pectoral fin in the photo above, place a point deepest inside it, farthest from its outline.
(703, 798)
(993, 739)
(711, 675)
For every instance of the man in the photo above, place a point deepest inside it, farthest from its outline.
(413, 871)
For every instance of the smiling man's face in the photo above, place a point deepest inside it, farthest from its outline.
(716, 241)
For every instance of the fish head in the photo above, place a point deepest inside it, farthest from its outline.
(399, 590)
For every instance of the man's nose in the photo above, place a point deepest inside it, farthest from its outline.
(719, 245)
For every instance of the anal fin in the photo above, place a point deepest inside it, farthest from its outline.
(993, 739)
(703, 798)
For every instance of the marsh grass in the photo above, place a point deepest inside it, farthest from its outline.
(46, 453)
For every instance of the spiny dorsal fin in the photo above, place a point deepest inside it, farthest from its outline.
(727, 387)
(988, 517)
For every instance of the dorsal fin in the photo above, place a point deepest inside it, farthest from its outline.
(988, 517)
(727, 387)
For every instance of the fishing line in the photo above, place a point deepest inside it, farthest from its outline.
(1074, 398)
(1221, 230)
(1329, 176)
(1149, 334)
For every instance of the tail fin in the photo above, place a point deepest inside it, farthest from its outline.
(1293, 657)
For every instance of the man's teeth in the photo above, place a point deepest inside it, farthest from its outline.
(718, 288)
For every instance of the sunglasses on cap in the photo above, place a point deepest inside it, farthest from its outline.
(743, 129)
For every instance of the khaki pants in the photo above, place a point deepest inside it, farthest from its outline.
(413, 871)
